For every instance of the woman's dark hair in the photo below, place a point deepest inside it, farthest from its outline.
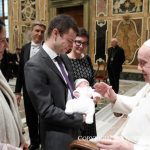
(63, 23)
(2, 24)
(83, 32)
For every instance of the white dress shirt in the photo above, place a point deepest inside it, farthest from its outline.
(52, 54)
(34, 48)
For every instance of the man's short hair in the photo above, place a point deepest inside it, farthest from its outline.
(63, 23)
(114, 39)
(39, 23)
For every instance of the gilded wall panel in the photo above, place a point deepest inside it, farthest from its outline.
(28, 10)
(101, 7)
(42, 14)
(107, 18)
(15, 10)
(128, 32)
(22, 13)
(127, 6)
(149, 6)
(148, 28)
(26, 33)
(16, 36)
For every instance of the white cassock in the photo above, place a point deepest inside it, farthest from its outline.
(137, 128)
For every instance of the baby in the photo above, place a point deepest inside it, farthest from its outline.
(83, 101)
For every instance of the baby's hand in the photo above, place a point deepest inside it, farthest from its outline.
(76, 94)
(96, 99)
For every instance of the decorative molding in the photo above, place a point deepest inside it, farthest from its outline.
(66, 3)
(26, 33)
(101, 35)
(148, 28)
(128, 36)
(122, 7)
(28, 10)
(54, 4)
(101, 8)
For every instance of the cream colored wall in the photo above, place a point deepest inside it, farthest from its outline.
(23, 12)
(129, 22)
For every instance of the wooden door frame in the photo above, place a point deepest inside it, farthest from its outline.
(54, 4)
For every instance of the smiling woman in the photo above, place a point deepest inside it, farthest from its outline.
(82, 68)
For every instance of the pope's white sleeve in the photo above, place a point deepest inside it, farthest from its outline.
(141, 147)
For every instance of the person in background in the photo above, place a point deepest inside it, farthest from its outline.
(27, 51)
(49, 81)
(116, 58)
(10, 121)
(16, 60)
(82, 68)
(136, 132)
(5, 65)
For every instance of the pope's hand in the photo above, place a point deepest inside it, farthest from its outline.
(114, 143)
(106, 91)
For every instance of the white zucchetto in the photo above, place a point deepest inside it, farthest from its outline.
(147, 43)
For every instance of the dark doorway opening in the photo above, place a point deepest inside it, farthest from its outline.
(76, 12)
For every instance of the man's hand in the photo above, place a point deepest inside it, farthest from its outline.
(24, 146)
(115, 143)
(18, 98)
(106, 91)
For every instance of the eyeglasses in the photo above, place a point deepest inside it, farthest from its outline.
(78, 43)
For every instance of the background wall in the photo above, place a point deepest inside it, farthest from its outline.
(128, 20)
(22, 13)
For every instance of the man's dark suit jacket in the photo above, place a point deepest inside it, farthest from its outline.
(24, 57)
(48, 92)
(118, 58)
(31, 115)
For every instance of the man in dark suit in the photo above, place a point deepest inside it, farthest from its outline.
(48, 87)
(115, 60)
(28, 50)
(4, 65)
(16, 60)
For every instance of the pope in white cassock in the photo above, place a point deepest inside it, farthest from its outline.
(136, 133)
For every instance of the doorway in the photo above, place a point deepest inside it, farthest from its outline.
(75, 11)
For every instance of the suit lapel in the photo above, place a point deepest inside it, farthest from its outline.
(51, 64)
(27, 52)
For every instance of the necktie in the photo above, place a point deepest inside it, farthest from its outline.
(60, 63)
